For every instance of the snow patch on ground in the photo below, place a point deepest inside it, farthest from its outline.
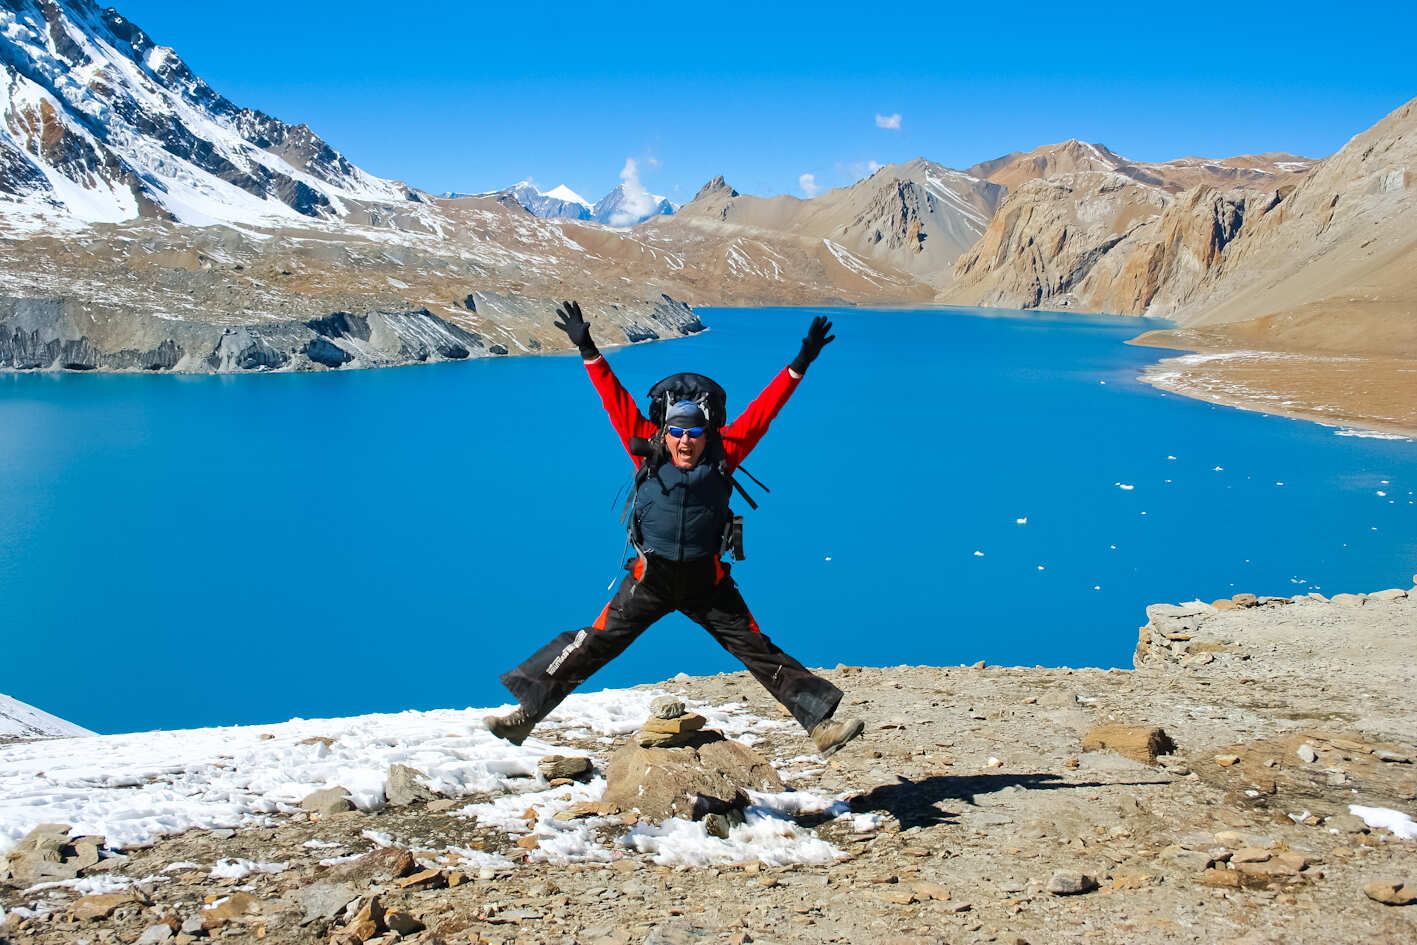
(1396, 821)
(134, 788)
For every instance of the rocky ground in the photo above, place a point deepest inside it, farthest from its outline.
(1012, 804)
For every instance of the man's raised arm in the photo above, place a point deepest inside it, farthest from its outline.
(740, 436)
(624, 413)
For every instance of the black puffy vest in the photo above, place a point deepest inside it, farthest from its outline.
(680, 514)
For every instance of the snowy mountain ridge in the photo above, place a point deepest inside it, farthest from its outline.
(100, 124)
(21, 720)
(625, 205)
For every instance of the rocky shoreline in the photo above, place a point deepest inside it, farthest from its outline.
(985, 804)
(65, 335)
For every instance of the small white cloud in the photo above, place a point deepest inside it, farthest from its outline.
(639, 203)
(808, 183)
(888, 121)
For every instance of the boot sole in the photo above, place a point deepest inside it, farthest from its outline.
(836, 746)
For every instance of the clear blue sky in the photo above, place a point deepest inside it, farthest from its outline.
(471, 96)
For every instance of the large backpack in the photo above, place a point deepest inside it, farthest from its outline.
(695, 387)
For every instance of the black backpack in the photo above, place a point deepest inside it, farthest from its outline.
(695, 387)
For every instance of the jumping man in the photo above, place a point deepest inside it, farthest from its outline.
(678, 524)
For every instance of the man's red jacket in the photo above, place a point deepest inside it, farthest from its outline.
(739, 437)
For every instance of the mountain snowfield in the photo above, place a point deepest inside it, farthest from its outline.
(134, 788)
(102, 125)
(19, 720)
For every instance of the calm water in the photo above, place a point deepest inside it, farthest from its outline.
(179, 551)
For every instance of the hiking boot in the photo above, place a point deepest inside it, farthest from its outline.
(830, 734)
(514, 727)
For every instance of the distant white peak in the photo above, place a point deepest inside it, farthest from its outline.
(562, 192)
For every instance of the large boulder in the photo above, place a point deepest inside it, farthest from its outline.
(707, 775)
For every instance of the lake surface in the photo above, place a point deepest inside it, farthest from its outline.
(181, 551)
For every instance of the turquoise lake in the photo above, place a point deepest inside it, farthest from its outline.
(182, 551)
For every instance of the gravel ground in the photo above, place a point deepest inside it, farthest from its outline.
(985, 799)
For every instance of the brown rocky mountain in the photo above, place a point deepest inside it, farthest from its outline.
(912, 219)
(1083, 227)
(1333, 266)
(1072, 156)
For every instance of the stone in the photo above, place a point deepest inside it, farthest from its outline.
(666, 707)
(1392, 757)
(1391, 893)
(402, 787)
(1225, 603)
(328, 801)
(323, 900)
(86, 852)
(582, 809)
(563, 766)
(1226, 761)
(1349, 600)
(1245, 600)
(928, 890)
(1250, 855)
(1070, 883)
(707, 776)
(368, 921)
(717, 825)
(425, 879)
(443, 804)
(1307, 754)
(235, 906)
(47, 840)
(1292, 862)
(404, 923)
(376, 866)
(1231, 879)
(88, 908)
(1138, 742)
(1268, 870)
(156, 934)
(669, 733)
(1389, 595)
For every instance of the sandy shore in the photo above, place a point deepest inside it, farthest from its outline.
(1375, 394)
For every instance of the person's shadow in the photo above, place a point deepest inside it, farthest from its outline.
(919, 803)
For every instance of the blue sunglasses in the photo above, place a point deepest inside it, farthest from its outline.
(692, 433)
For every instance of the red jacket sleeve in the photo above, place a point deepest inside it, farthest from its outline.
(740, 436)
(624, 413)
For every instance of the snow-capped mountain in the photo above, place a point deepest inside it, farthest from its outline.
(623, 206)
(558, 203)
(626, 206)
(20, 720)
(100, 124)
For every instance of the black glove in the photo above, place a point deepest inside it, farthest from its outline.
(817, 339)
(577, 329)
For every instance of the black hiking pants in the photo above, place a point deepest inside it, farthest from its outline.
(703, 591)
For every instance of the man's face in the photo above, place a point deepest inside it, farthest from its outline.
(686, 451)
